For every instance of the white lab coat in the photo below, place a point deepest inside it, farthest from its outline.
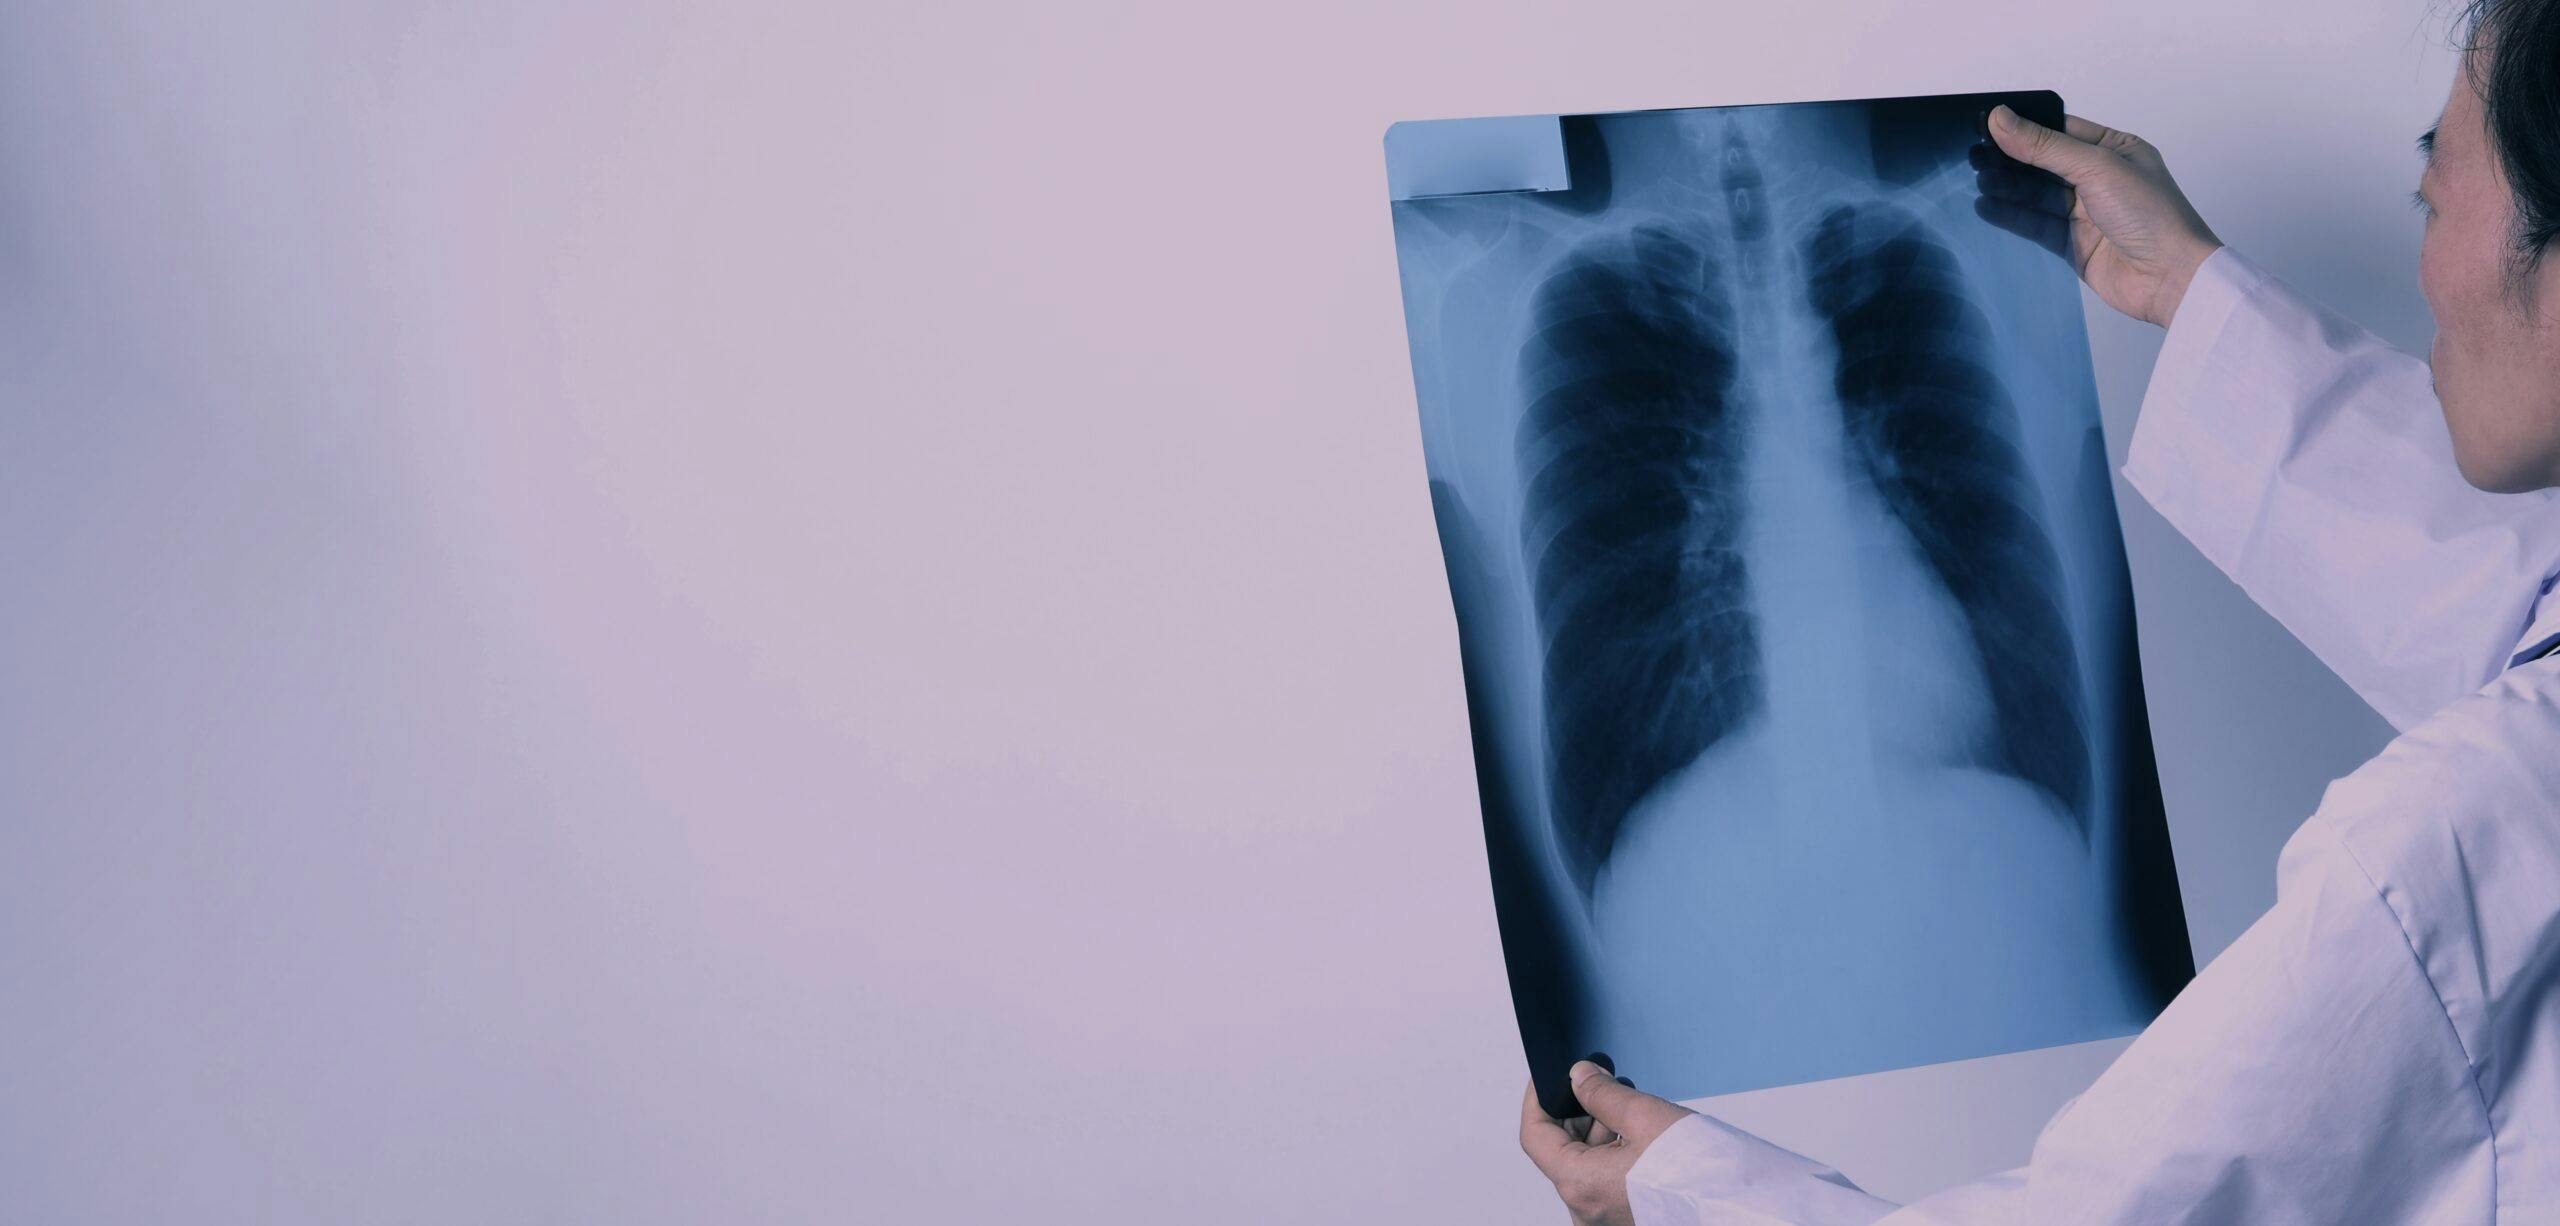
(2384, 1044)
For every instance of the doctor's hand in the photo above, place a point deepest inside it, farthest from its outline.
(1588, 1157)
(2117, 214)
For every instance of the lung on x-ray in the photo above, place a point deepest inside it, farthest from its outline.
(1792, 606)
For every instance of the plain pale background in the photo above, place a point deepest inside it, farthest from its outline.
(827, 613)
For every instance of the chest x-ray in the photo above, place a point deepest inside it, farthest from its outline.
(1790, 596)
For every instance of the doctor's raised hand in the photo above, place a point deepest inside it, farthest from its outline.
(2117, 214)
(1588, 1158)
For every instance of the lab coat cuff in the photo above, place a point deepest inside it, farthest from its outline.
(2200, 461)
(1702, 1169)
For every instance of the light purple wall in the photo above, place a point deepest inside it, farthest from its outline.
(828, 614)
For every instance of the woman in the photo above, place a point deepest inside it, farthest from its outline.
(2384, 1044)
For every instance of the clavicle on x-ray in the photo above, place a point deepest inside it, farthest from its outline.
(1791, 602)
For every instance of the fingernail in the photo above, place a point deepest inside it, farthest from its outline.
(1602, 1059)
(2003, 118)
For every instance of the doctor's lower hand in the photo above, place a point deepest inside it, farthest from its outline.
(2116, 213)
(1588, 1158)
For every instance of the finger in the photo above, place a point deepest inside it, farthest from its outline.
(2091, 131)
(1627, 1110)
(1543, 1137)
(1533, 1112)
(2113, 140)
(2025, 187)
(1998, 171)
(1601, 1134)
(2035, 225)
(2042, 147)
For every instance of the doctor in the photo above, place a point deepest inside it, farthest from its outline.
(2384, 1044)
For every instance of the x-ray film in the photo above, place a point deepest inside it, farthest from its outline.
(1792, 605)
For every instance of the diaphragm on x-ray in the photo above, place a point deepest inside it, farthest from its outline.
(1791, 601)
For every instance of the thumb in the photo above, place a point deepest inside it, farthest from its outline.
(1628, 1111)
(2044, 148)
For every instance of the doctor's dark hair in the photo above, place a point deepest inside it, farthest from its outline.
(2517, 73)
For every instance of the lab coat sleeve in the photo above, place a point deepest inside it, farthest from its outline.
(2309, 460)
(2309, 1074)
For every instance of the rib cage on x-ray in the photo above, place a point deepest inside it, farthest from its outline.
(1632, 452)
(1792, 612)
(1934, 431)
(1636, 421)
